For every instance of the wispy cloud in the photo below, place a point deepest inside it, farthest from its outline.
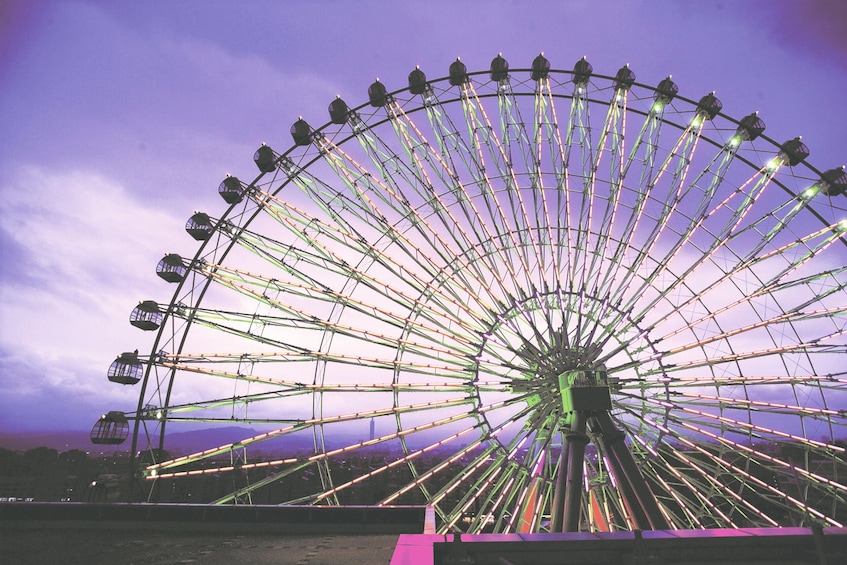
(85, 249)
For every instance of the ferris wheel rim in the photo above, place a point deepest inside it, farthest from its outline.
(231, 241)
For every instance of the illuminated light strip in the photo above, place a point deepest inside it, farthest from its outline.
(378, 286)
(476, 492)
(789, 407)
(780, 494)
(717, 244)
(650, 131)
(695, 489)
(442, 132)
(615, 122)
(724, 419)
(559, 157)
(473, 106)
(507, 489)
(815, 379)
(775, 461)
(469, 96)
(396, 320)
(380, 339)
(767, 288)
(506, 109)
(489, 386)
(668, 489)
(685, 146)
(504, 483)
(453, 222)
(770, 287)
(785, 318)
(752, 478)
(304, 425)
(404, 459)
(753, 354)
(317, 293)
(578, 123)
(154, 474)
(372, 251)
(389, 319)
(425, 476)
(704, 473)
(332, 150)
(604, 233)
(749, 426)
(407, 366)
(516, 501)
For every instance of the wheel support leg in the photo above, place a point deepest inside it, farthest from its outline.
(648, 516)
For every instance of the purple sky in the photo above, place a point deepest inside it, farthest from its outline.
(119, 119)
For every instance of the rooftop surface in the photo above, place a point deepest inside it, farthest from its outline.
(43, 534)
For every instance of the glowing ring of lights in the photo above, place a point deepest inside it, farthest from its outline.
(424, 260)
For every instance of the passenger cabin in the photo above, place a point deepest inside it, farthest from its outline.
(834, 181)
(377, 94)
(666, 91)
(540, 67)
(199, 226)
(339, 112)
(301, 131)
(794, 151)
(126, 369)
(265, 159)
(709, 106)
(232, 190)
(171, 268)
(458, 73)
(625, 78)
(582, 72)
(750, 127)
(146, 316)
(499, 68)
(110, 429)
(417, 81)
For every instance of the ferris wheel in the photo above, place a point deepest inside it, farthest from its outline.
(535, 299)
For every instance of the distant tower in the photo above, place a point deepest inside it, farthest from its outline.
(372, 428)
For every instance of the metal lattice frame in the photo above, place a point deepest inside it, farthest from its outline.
(433, 262)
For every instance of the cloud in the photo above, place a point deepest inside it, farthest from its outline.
(84, 250)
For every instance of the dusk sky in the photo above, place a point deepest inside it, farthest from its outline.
(119, 119)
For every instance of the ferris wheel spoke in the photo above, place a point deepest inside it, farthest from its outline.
(717, 498)
(741, 491)
(454, 262)
(454, 481)
(769, 287)
(718, 421)
(240, 325)
(260, 286)
(451, 142)
(441, 209)
(826, 414)
(791, 503)
(430, 269)
(518, 157)
(525, 243)
(396, 462)
(156, 471)
(370, 216)
(612, 144)
(447, 298)
(811, 297)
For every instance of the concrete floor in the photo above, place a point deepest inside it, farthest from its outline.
(25, 544)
